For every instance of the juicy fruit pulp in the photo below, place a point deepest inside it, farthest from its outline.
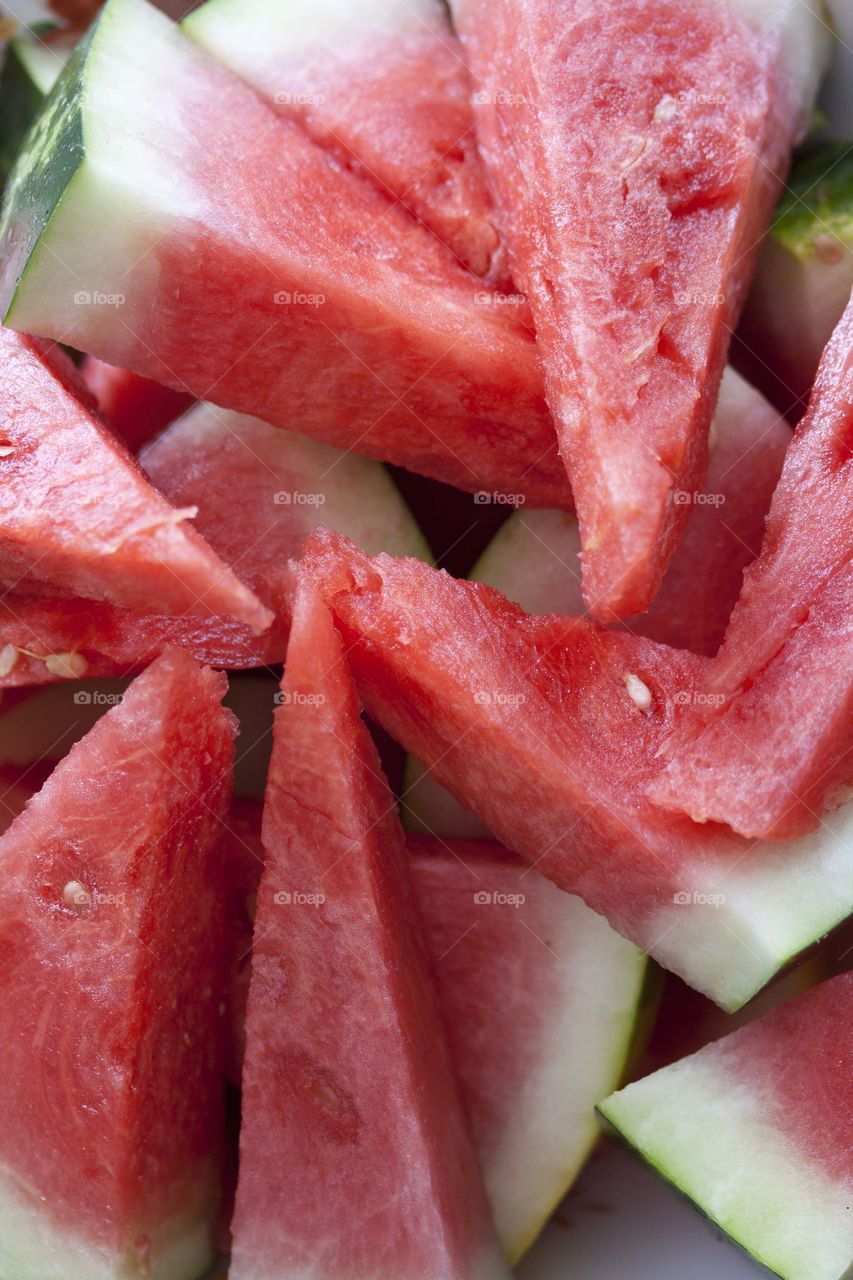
(109, 1094)
(258, 491)
(553, 737)
(757, 1130)
(78, 517)
(346, 1080)
(375, 336)
(786, 663)
(534, 559)
(384, 86)
(136, 408)
(636, 150)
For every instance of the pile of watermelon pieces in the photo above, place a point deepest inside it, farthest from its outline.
(339, 886)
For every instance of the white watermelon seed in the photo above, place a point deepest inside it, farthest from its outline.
(75, 895)
(69, 666)
(639, 693)
(9, 656)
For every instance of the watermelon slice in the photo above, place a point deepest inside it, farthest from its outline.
(79, 517)
(384, 85)
(540, 1001)
(137, 408)
(379, 340)
(550, 730)
(757, 1130)
(801, 583)
(805, 271)
(534, 558)
(345, 1061)
(258, 492)
(636, 149)
(112, 930)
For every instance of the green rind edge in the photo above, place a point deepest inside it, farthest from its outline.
(817, 201)
(612, 1129)
(48, 161)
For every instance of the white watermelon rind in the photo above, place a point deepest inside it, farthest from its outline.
(32, 1247)
(714, 1135)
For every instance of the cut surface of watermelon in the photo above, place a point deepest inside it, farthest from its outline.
(258, 492)
(347, 1081)
(800, 583)
(137, 408)
(539, 998)
(534, 558)
(636, 150)
(112, 929)
(352, 322)
(757, 1130)
(550, 731)
(385, 86)
(77, 515)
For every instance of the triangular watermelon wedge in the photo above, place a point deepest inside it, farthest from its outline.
(203, 263)
(757, 1130)
(78, 517)
(636, 148)
(347, 1081)
(112, 934)
(384, 86)
(800, 583)
(550, 729)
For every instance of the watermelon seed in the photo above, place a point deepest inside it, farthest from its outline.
(665, 109)
(69, 666)
(76, 896)
(639, 693)
(9, 656)
(6, 450)
(325, 1095)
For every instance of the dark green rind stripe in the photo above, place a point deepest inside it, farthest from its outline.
(20, 100)
(722, 1233)
(818, 201)
(47, 162)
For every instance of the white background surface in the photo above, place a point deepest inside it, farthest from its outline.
(621, 1223)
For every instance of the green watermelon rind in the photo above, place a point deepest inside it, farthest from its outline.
(29, 72)
(817, 202)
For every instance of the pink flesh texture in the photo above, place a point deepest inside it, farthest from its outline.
(781, 754)
(110, 1092)
(77, 515)
(136, 408)
(799, 1059)
(527, 722)
(401, 361)
(346, 1082)
(807, 543)
(632, 233)
(395, 105)
(722, 535)
(117, 642)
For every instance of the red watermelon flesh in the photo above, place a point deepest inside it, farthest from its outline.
(353, 324)
(807, 545)
(636, 150)
(78, 516)
(550, 730)
(112, 929)
(135, 407)
(781, 753)
(43, 640)
(346, 1080)
(385, 87)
